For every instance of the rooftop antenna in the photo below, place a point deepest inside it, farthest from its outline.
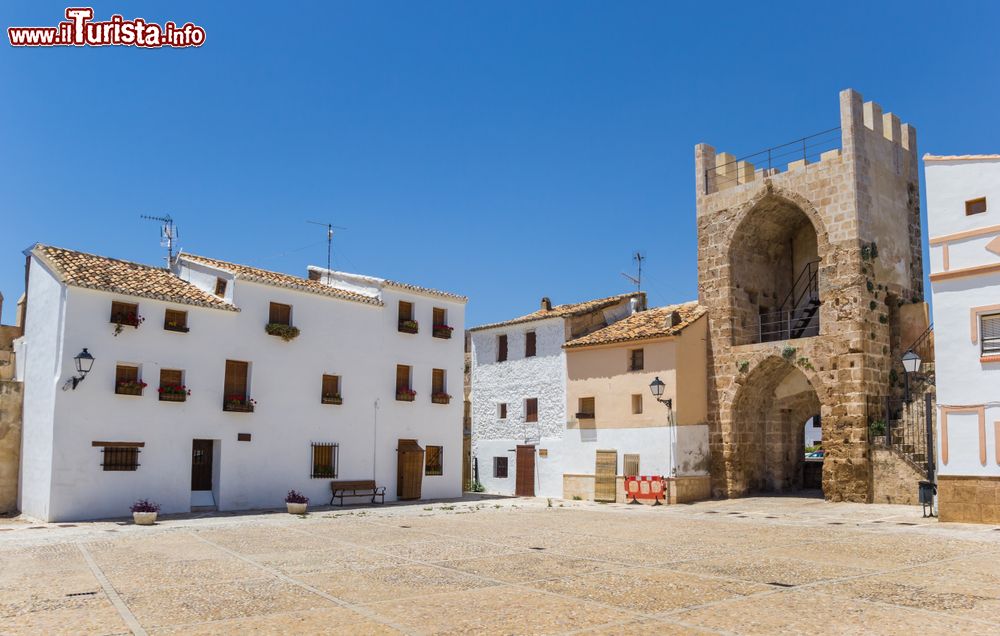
(637, 279)
(168, 234)
(329, 245)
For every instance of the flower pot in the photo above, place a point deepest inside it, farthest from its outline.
(173, 397)
(144, 518)
(296, 508)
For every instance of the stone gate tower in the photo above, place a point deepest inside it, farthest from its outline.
(803, 269)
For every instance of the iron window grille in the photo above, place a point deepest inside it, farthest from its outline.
(500, 468)
(120, 458)
(325, 459)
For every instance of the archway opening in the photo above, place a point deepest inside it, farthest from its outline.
(774, 266)
(770, 415)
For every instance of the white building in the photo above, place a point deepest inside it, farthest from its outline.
(519, 389)
(264, 414)
(963, 214)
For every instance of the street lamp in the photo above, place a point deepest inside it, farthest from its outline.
(911, 364)
(656, 388)
(84, 362)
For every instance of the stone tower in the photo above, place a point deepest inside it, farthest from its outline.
(803, 270)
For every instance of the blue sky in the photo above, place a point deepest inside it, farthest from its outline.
(504, 150)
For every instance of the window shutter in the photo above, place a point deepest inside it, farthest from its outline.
(331, 385)
(531, 410)
(501, 347)
(123, 312)
(171, 377)
(402, 377)
(236, 377)
(433, 464)
(405, 310)
(529, 344)
(280, 314)
(503, 411)
(437, 383)
(975, 206)
(439, 317)
(631, 468)
(990, 333)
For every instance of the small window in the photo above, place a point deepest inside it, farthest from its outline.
(404, 386)
(434, 460)
(975, 206)
(331, 390)
(586, 409)
(635, 360)
(439, 387)
(127, 381)
(531, 410)
(500, 468)
(236, 393)
(989, 329)
(324, 460)
(125, 313)
(175, 320)
(172, 388)
(501, 347)
(636, 403)
(280, 314)
(502, 410)
(406, 322)
(119, 456)
(529, 344)
(220, 287)
(441, 328)
(631, 466)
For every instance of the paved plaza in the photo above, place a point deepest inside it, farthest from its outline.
(509, 566)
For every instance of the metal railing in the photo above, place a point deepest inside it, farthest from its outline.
(905, 427)
(807, 148)
(798, 314)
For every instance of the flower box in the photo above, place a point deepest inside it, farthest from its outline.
(584, 416)
(332, 399)
(409, 326)
(130, 388)
(126, 320)
(406, 396)
(177, 328)
(173, 397)
(235, 404)
(442, 331)
(285, 332)
(440, 398)
(173, 392)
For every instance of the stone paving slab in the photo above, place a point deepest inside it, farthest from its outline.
(509, 566)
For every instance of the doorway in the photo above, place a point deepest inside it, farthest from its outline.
(202, 469)
(606, 475)
(524, 485)
(409, 469)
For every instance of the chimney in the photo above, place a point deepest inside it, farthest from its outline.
(634, 305)
(546, 304)
(675, 318)
(314, 275)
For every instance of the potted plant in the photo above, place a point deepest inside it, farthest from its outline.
(440, 398)
(173, 392)
(405, 395)
(285, 332)
(332, 398)
(173, 325)
(877, 430)
(130, 319)
(130, 387)
(408, 326)
(144, 512)
(442, 331)
(296, 502)
(239, 403)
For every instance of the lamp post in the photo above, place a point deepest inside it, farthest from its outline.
(83, 362)
(656, 388)
(911, 364)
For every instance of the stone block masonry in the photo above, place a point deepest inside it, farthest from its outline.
(11, 398)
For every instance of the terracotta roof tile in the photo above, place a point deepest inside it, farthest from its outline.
(563, 311)
(426, 290)
(266, 277)
(644, 325)
(79, 269)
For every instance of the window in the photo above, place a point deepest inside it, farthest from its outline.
(404, 390)
(127, 381)
(439, 388)
(406, 322)
(280, 314)
(500, 468)
(501, 347)
(236, 392)
(529, 344)
(119, 456)
(324, 460)
(531, 410)
(434, 460)
(502, 410)
(125, 313)
(989, 329)
(175, 320)
(331, 390)
(975, 206)
(636, 403)
(172, 387)
(586, 409)
(220, 287)
(631, 466)
(635, 360)
(441, 328)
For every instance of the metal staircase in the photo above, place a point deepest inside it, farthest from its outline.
(796, 317)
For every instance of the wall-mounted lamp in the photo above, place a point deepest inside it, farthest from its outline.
(84, 362)
(911, 364)
(656, 388)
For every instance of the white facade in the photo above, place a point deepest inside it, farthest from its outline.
(965, 278)
(62, 476)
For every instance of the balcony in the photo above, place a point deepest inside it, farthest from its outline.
(238, 404)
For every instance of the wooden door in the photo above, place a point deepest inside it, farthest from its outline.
(409, 469)
(606, 476)
(201, 464)
(524, 484)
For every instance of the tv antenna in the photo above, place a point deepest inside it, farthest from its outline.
(168, 234)
(637, 279)
(329, 244)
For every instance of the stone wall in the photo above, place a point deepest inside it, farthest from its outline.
(969, 499)
(11, 398)
(862, 202)
(894, 480)
(684, 489)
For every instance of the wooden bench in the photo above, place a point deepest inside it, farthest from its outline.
(359, 488)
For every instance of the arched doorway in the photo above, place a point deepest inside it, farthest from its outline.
(768, 420)
(774, 268)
